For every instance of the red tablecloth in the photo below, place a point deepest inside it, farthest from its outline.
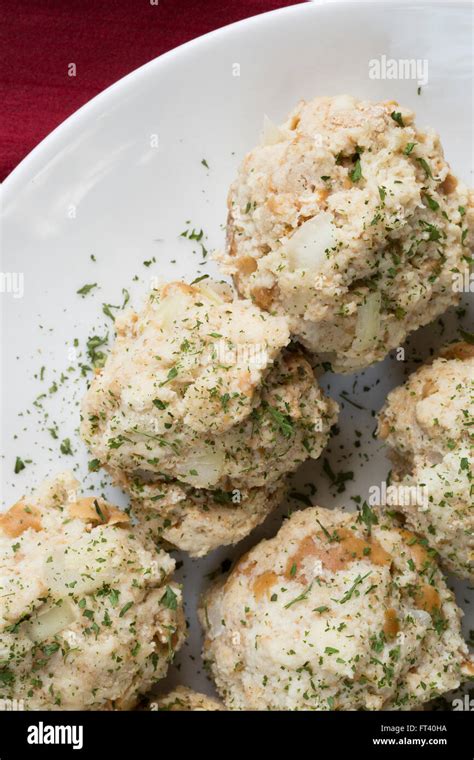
(105, 39)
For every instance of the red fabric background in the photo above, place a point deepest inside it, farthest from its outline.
(106, 39)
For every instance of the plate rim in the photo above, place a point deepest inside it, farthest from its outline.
(27, 168)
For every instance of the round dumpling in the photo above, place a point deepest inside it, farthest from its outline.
(89, 616)
(202, 410)
(198, 520)
(428, 426)
(338, 612)
(348, 221)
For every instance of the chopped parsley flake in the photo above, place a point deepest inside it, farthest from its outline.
(396, 116)
(283, 421)
(65, 447)
(169, 599)
(19, 465)
(356, 174)
(86, 289)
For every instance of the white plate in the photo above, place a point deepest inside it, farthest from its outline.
(99, 185)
